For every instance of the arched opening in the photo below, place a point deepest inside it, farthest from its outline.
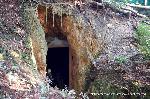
(58, 62)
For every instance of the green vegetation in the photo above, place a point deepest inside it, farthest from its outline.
(143, 35)
(121, 59)
(105, 90)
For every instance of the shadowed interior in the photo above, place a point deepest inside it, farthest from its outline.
(58, 63)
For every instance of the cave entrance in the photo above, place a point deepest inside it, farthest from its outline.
(58, 40)
(58, 65)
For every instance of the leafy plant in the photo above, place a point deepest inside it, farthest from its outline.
(143, 35)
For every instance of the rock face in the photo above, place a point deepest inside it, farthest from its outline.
(97, 38)
(18, 64)
(89, 33)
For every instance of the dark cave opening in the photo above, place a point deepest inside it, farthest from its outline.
(58, 64)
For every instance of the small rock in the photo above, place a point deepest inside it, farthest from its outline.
(1, 57)
(15, 54)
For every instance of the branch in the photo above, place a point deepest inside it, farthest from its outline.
(134, 11)
(125, 10)
(139, 6)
